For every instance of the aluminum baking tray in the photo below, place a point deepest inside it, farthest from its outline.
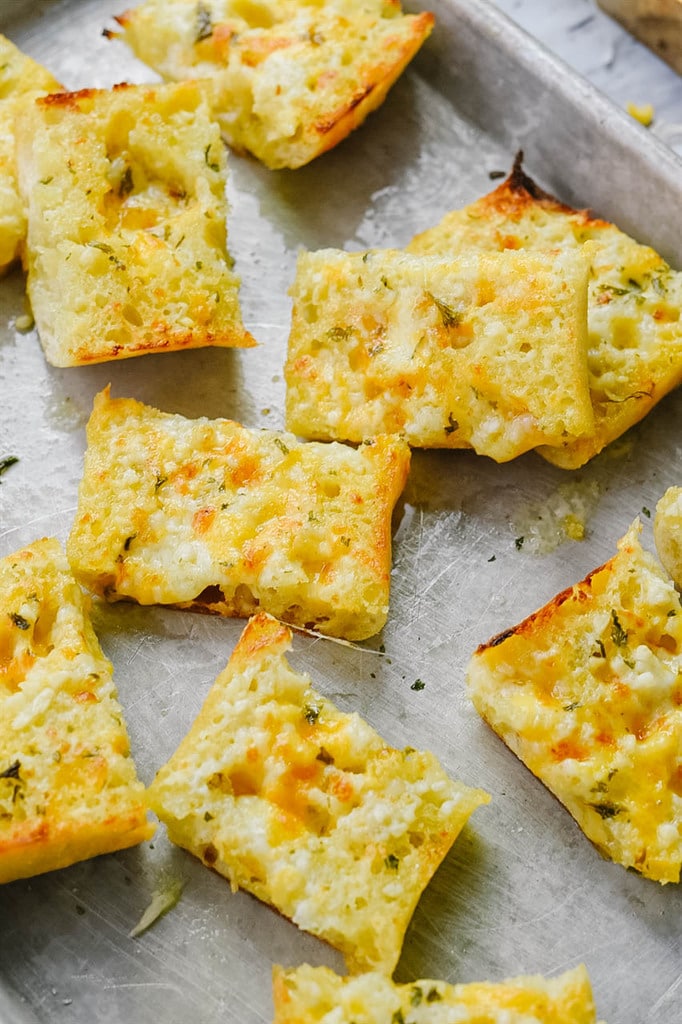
(522, 890)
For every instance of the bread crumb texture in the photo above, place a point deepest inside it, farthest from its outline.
(316, 995)
(22, 80)
(210, 515)
(633, 308)
(668, 532)
(588, 693)
(487, 351)
(288, 79)
(125, 198)
(306, 807)
(68, 787)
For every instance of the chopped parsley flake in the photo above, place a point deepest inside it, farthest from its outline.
(518, 543)
(418, 685)
(12, 772)
(204, 26)
(19, 621)
(9, 460)
(311, 713)
(618, 634)
(646, 511)
(449, 316)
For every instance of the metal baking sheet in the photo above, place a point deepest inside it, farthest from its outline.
(522, 890)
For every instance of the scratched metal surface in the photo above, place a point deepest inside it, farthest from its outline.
(522, 890)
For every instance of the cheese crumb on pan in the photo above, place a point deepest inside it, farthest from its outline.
(288, 79)
(668, 532)
(306, 807)
(210, 515)
(22, 80)
(634, 300)
(68, 787)
(588, 693)
(126, 251)
(316, 995)
(488, 351)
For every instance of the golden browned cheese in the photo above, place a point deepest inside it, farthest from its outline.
(316, 995)
(22, 80)
(486, 352)
(307, 807)
(210, 515)
(126, 250)
(633, 309)
(588, 693)
(288, 79)
(68, 787)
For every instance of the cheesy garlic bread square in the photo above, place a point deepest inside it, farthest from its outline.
(587, 692)
(209, 515)
(487, 352)
(307, 807)
(668, 532)
(288, 79)
(22, 80)
(126, 251)
(68, 787)
(316, 995)
(633, 310)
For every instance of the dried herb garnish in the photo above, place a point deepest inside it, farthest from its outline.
(126, 184)
(418, 685)
(433, 996)
(311, 713)
(618, 634)
(518, 543)
(449, 316)
(12, 772)
(9, 460)
(452, 424)
(339, 333)
(211, 164)
(204, 25)
(19, 621)
(281, 445)
(607, 810)
(392, 862)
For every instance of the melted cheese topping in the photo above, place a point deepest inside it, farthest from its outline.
(307, 807)
(288, 78)
(634, 301)
(126, 209)
(209, 514)
(588, 693)
(488, 352)
(68, 788)
(317, 995)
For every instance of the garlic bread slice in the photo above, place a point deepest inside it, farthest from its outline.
(68, 786)
(316, 995)
(485, 352)
(126, 251)
(307, 807)
(288, 79)
(587, 692)
(634, 307)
